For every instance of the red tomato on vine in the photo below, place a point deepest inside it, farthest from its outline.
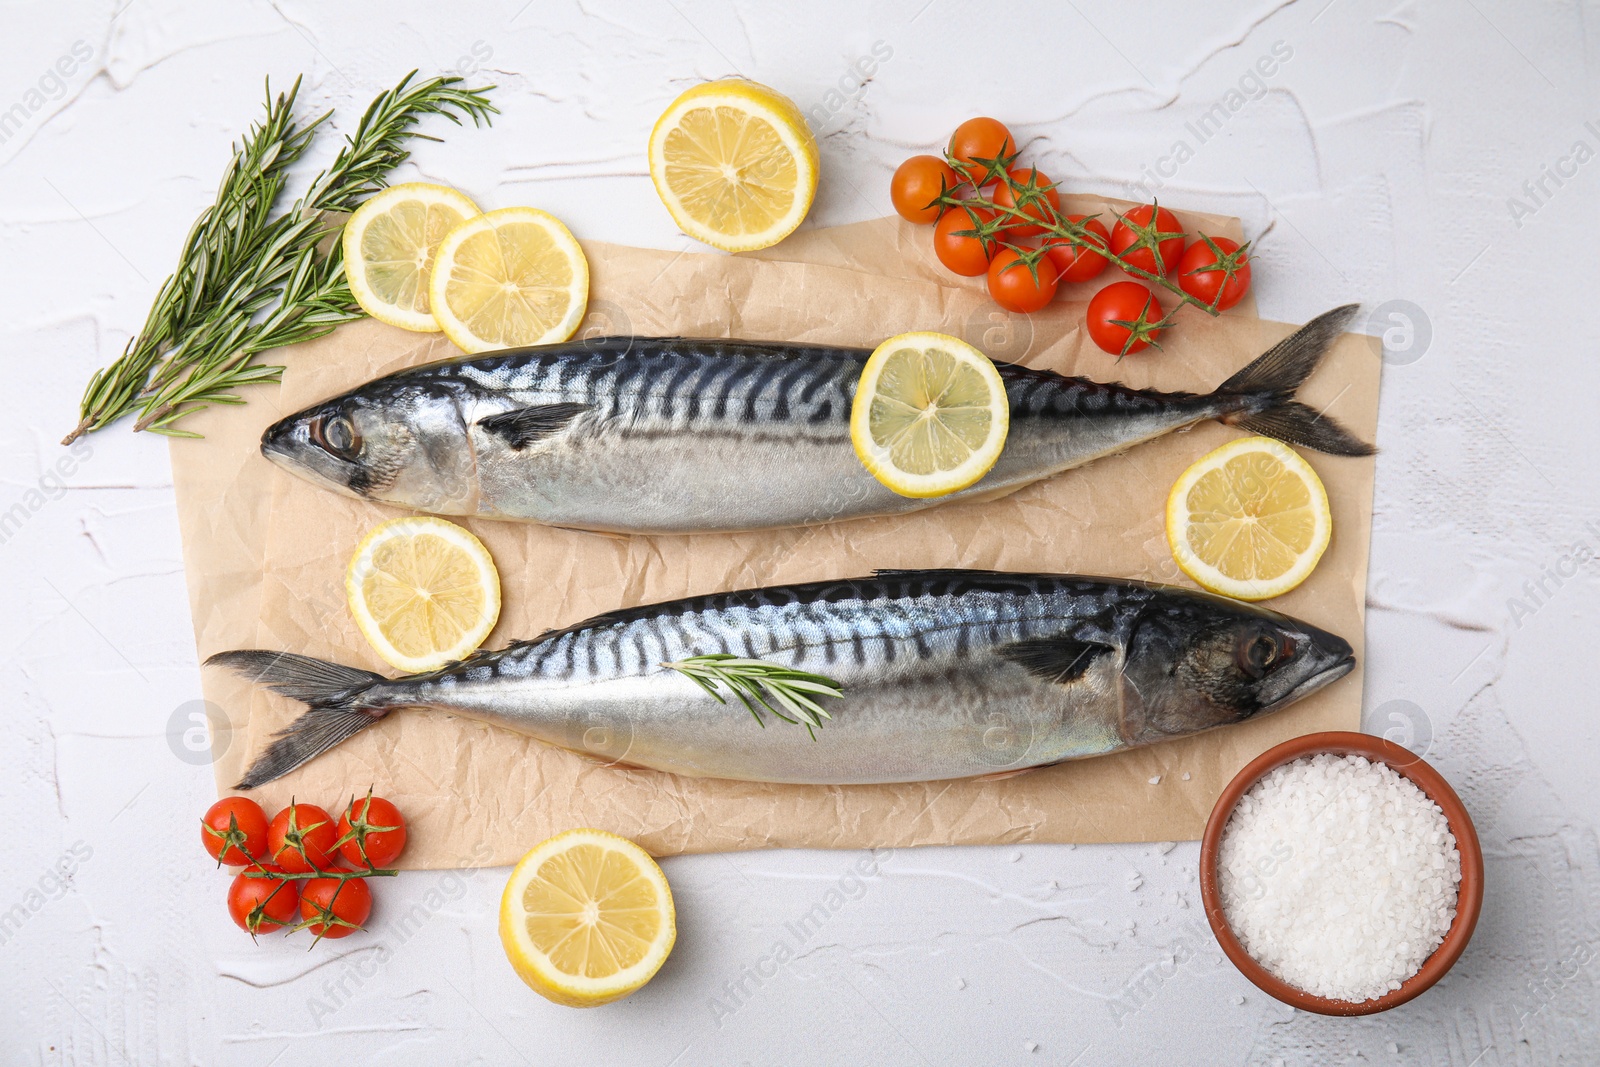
(1215, 270)
(1079, 263)
(1034, 193)
(234, 831)
(1016, 288)
(302, 839)
(965, 254)
(1144, 231)
(977, 144)
(917, 183)
(372, 833)
(1124, 318)
(262, 905)
(335, 907)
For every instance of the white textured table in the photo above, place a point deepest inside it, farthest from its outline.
(1426, 153)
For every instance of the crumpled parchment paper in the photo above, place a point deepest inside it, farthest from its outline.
(265, 555)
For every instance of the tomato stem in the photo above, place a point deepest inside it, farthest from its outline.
(1033, 208)
(342, 876)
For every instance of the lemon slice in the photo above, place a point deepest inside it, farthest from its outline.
(930, 414)
(1249, 520)
(424, 592)
(735, 163)
(587, 918)
(389, 244)
(509, 278)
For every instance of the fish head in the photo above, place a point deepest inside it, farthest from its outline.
(401, 444)
(1196, 661)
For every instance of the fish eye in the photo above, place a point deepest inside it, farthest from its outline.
(1257, 653)
(336, 435)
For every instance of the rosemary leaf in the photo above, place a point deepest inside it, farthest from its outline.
(787, 693)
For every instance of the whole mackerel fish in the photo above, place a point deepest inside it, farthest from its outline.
(944, 674)
(669, 435)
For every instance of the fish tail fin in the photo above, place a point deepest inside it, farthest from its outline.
(337, 699)
(1264, 390)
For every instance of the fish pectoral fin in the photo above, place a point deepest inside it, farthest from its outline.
(1055, 659)
(528, 426)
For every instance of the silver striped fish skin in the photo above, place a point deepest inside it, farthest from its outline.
(945, 674)
(638, 435)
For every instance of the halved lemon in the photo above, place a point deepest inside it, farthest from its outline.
(509, 278)
(930, 414)
(587, 918)
(1249, 520)
(735, 163)
(423, 591)
(389, 245)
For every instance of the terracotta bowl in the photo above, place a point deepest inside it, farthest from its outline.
(1406, 763)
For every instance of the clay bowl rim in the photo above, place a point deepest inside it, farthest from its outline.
(1469, 900)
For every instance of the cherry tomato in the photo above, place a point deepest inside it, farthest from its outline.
(980, 139)
(339, 904)
(371, 833)
(1075, 263)
(1216, 270)
(1037, 190)
(916, 183)
(1144, 229)
(1122, 316)
(1016, 288)
(262, 905)
(234, 831)
(965, 255)
(302, 838)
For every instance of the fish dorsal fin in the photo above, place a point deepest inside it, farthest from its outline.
(522, 427)
(1055, 659)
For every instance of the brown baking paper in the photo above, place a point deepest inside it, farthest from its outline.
(266, 553)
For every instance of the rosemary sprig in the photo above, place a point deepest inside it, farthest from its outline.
(770, 685)
(248, 281)
(225, 234)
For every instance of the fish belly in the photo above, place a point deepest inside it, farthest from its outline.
(924, 724)
(685, 482)
(688, 480)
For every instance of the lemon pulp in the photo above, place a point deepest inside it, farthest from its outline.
(423, 591)
(509, 278)
(735, 164)
(930, 414)
(389, 247)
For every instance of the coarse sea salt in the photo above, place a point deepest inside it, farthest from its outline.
(1339, 876)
